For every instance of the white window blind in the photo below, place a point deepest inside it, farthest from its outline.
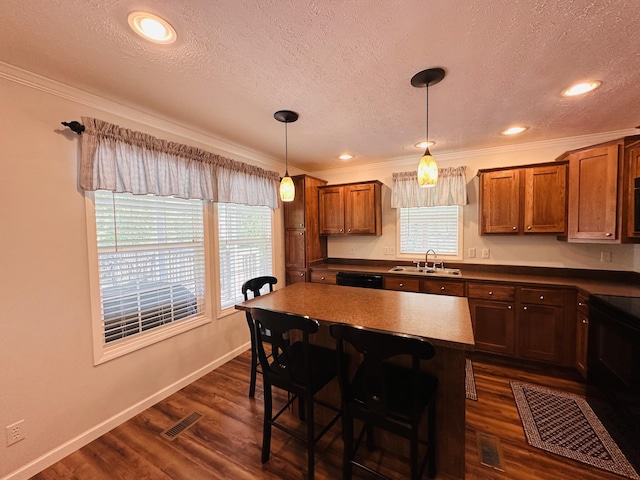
(422, 228)
(151, 261)
(245, 246)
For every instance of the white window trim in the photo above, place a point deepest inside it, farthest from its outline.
(225, 312)
(421, 258)
(104, 352)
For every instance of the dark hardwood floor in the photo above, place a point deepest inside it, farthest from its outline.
(226, 442)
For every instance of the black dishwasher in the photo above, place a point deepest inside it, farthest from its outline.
(354, 279)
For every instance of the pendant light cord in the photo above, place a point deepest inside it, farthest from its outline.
(286, 151)
(427, 123)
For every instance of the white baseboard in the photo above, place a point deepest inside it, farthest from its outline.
(58, 453)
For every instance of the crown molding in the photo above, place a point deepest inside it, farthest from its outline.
(61, 90)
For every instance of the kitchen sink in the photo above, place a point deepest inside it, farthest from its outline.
(446, 272)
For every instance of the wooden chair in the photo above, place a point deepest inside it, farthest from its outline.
(300, 368)
(385, 395)
(254, 286)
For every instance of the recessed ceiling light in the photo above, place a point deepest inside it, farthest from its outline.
(425, 144)
(152, 27)
(581, 88)
(514, 130)
(346, 156)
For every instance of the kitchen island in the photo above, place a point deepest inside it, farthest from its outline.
(444, 321)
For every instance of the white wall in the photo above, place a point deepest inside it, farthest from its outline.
(537, 250)
(47, 375)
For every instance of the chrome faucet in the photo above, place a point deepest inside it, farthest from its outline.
(426, 258)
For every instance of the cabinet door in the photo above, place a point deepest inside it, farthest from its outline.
(493, 326)
(582, 335)
(500, 202)
(360, 209)
(541, 332)
(403, 284)
(593, 193)
(545, 199)
(295, 248)
(295, 276)
(633, 225)
(446, 287)
(294, 212)
(331, 210)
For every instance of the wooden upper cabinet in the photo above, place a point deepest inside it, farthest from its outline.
(633, 191)
(500, 201)
(545, 199)
(527, 200)
(294, 212)
(351, 209)
(593, 194)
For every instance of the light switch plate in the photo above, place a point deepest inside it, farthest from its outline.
(485, 253)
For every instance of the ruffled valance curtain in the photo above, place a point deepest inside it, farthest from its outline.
(450, 190)
(122, 160)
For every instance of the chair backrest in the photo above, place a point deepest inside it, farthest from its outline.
(255, 284)
(285, 370)
(377, 347)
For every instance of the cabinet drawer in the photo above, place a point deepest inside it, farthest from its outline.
(487, 291)
(443, 287)
(323, 277)
(402, 284)
(541, 296)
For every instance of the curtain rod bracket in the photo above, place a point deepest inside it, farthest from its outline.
(75, 126)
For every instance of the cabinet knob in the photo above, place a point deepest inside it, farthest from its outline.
(584, 320)
(529, 227)
(509, 307)
(514, 228)
(580, 304)
(524, 308)
(341, 230)
(302, 224)
(302, 274)
(541, 297)
(349, 230)
(609, 235)
(322, 278)
(490, 292)
(442, 288)
(301, 233)
(402, 284)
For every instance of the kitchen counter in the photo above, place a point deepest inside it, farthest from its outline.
(589, 281)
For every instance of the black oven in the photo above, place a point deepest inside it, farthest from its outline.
(614, 368)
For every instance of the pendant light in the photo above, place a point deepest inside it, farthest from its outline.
(428, 168)
(287, 189)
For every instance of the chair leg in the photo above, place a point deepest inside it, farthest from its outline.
(266, 427)
(254, 367)
(413, 454)
(347, 438)
(301, 408)
(311, 444)
(431, 431)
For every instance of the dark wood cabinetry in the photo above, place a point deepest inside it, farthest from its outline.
(351, 209)
(600, 192)
(402, 283)
(302, 242)
(443, 287)
(582, 333)
(523, 200)
(493, 317)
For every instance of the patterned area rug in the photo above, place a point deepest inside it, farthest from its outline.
(564, 424)
(469, 381)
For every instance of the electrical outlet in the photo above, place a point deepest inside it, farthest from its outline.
(485, 253)
(472, 253)
(15, 432)
(392, 250)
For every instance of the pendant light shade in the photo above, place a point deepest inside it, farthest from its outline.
(428, 168)
(287, 188)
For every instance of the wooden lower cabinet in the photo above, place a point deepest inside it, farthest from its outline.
(295, 276)
(582, 333)
(323, 277)
(403, 284)
(446, 287)
(493, 325)
(540, 330)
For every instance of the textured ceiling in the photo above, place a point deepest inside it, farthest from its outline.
(345, 67)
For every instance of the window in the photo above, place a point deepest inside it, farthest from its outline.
(245, 246)
(151, 264)
(438, 228)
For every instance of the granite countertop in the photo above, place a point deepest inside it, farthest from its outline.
(606, 283)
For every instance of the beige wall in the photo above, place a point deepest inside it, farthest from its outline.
(504, 249)
(47, 375)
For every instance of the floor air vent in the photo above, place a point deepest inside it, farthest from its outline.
(181, 426)
(489, 451)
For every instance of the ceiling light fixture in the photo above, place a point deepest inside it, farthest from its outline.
(425, 144)
(152, 27)
(287, 188)
(581, 88)
(345, 156)
(514, 130)
(428, 168)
